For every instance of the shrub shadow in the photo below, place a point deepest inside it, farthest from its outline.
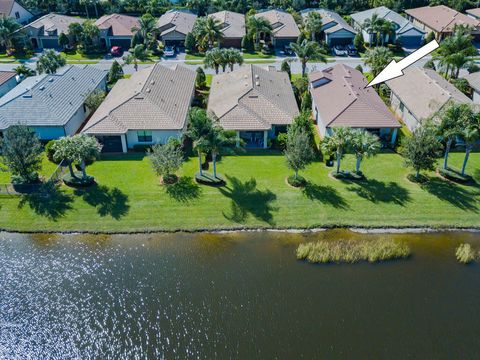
(378, 191)
(184, 190)
(325, 194)
(108, 201)
(49, 201)
(452, 193)
(248, 200)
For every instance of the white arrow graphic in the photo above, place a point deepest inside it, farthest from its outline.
(394, 69)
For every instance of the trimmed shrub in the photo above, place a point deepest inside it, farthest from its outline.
(464, 253)
(352, 251)
(298, 182)
(49, 151)
(141, 147)
(78, 180)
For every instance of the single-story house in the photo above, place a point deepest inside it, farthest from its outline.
(409, 35)
(335, 30)
(11, 8)
(340, 99)
(441, 20)
(44, 32)
(474, 82)
(151, 107)
(285, 29)
(233, 28)
(256, 103)
(116, 30)
(8, 80)
(474, 13)
(52, 105)
(174, 25)
(420, 94)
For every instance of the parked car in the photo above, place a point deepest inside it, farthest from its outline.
(340, 50)
(287, 50)
(352, 50)
(169, 51)
(116, 51)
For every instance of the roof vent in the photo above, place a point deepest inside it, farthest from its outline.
(148, 90)
(41, 88)
(152, 82)
(50, 80)
(256, 76)
(257, 83)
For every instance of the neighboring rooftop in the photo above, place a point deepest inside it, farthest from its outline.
(474, 12)
(6, 76)
(118, 24)
(424, 91)
(474, 80)
(329, 17)
(6, 7)
(283, 23)
(233, 24)
(156, 98)
(181, 21)
(49, 100)
(387, 14)
(441, 18)
(342, 100)
(54, 23)
(252, 98)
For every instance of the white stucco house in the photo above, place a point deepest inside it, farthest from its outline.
(148, 108)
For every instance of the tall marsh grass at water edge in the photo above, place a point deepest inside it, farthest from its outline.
(352, 251)
(465, 254)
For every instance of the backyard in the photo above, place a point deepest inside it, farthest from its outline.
(129, 197)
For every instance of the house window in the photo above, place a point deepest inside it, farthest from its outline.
(402, 107)
(17, 14)
(144, 136)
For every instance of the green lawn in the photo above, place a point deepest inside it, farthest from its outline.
(257, 55)
(197, 56)
(77, 56)
(129, 197)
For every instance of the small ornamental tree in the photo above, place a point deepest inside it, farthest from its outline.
(247, 43)
(63, 40)
(138, 53)
(358, 42)
(115, 73)
(49, 62)
(299, 152)
(420, 150)
(95, 99)
(190, 43)
(286, 67)
(21, 154)
(201, 79)
(166, 160)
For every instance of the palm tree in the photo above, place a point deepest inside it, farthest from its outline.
(308, 50)
(313, 24)
(24, 70)
(378, 58)
(145, 32)
(218, 141)
(211, 31)
(214, 58)
(450, 126)
(257, 26)
(470, 134)
(387, 28)
(199, 130)
(363, 145)
(373, 27)
(233, 56)
(138, 53)
(8, 31)
(337, 143)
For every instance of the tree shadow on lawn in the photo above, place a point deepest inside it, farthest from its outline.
(50, 202)
(325, 194)
(378, 191)
(247, 199)
(452, 193)
(108, 201)
(184, 190)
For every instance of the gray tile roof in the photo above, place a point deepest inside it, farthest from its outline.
(156, 98)
(283, 23)
(49, 100)
(474, 80)
(424, 92)
(181, 21)
(252, 98)
(328, 17)
(385, 13)
(233, 24)
(53, 23)
(341, 99)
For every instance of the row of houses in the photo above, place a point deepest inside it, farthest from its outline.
(258, 103)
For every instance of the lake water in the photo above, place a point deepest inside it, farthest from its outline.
(232, 296)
